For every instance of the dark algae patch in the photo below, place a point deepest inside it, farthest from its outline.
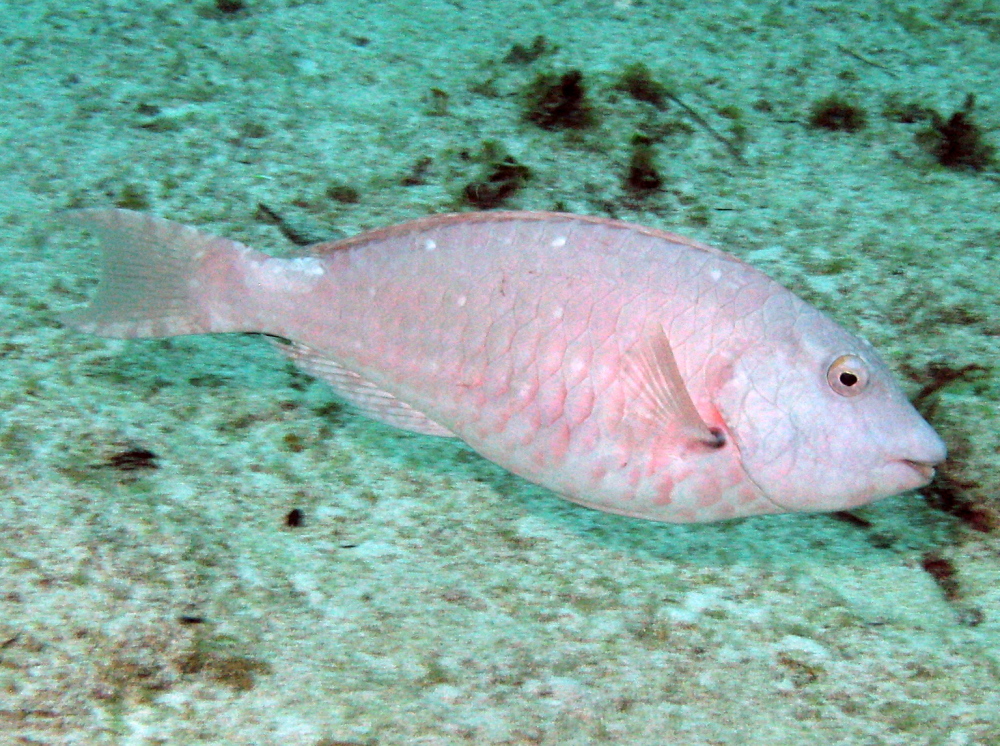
(642, 176)
(238, 673)
(957, 142)
(943, 572)
(502, 177)
(957, 488)
(525, 54)
(505, 179)
(133, 459)
(556, 102)
(343, 193)
(638, 82)
(230, 6)
(836, 114)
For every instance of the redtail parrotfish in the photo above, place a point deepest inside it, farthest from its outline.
(625, 368)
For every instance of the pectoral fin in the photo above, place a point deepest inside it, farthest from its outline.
(661, 397)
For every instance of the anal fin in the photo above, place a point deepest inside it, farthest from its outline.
(372, 401)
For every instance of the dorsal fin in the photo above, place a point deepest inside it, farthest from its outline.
(372, 401)
(661, 396)
(420, 226)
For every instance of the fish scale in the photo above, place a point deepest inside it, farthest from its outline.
(626, 368)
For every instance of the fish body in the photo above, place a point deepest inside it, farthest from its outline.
(625, 368)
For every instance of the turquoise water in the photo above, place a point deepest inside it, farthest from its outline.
(157, 586)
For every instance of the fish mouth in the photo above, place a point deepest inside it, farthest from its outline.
(922, 471)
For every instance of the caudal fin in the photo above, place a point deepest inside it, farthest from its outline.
(150, 285)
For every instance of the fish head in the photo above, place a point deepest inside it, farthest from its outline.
(819, 421)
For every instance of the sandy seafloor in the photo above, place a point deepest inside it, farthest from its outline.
(428, 597)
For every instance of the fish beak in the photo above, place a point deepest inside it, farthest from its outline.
(925, 470)
(926, 451)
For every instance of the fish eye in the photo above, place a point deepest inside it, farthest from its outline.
(847, 375)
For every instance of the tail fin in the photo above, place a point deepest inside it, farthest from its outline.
(149, 283)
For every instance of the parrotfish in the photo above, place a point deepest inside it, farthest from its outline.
(625, 368)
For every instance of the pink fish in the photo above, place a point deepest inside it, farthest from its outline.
(627, 369)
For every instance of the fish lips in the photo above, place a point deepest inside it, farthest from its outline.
(912, 474)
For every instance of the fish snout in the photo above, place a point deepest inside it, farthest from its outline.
(923, 456)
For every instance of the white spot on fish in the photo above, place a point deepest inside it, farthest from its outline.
(430, 244)
(286, 275)
(559, 242)
(715, 274)
(461, 301)
(308, 265)
(557, 312)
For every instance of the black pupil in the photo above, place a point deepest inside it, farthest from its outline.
(848, 379)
